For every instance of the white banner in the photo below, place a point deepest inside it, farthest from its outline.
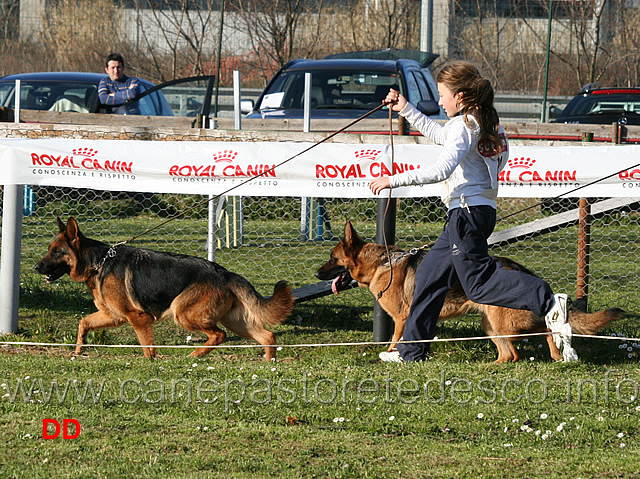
(328, 170)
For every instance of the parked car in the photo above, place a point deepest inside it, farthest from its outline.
(596, 105)
(348, 85)
(78, 92)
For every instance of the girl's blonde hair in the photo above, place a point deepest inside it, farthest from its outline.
(476, 99)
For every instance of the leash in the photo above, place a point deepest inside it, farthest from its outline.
(386, 208)
(112, 249)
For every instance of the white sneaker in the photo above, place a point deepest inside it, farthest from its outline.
(391, 357)
(557, 321)
(557, 316)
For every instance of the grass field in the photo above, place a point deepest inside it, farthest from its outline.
(317, 412)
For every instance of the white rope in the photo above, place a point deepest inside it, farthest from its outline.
(302, 345)
(619, 338)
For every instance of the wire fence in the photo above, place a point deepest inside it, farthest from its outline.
(268, 239)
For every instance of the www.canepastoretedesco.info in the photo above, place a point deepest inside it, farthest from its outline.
(306, 389)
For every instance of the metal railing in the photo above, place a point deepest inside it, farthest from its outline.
(511, 107)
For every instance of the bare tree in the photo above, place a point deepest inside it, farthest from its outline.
(182, 30)
(275, 29)
(578, 45)
(484, 33)
(72, 43)
(625, 43)
(370, 25)
(585, 23)
(9, 10)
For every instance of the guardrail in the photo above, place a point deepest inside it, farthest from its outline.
(510, 107)
(528, 107)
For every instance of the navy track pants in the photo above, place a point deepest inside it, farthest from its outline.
(461, 251)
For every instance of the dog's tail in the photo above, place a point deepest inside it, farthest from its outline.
(590, 323)
(273, 310)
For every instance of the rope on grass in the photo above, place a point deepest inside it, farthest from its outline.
(304, 345)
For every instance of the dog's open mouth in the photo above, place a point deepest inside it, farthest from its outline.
(57, 273)
(341, 282)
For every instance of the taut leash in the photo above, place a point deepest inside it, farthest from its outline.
(111, 251)
(386, 208)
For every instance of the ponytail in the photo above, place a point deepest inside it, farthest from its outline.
(476, 99)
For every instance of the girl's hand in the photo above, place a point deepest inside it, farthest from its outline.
(395, 99)
(379, 184)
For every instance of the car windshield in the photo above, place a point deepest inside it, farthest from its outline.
(53, 96)
(606, 105)
(342, 89)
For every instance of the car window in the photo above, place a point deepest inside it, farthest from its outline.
(431, 84)
(425, 91)
(153, 104)
(53, 96)
(615, 106)
(342, 89)
(412, 89)
(74, 98)
(602, 105)
(5, 91)
(184, 97)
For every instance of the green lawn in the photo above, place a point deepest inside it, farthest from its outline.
(319, 412)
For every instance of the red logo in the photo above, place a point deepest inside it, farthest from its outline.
(520, 170)
(56, 429)
(520, 162)
(223, 166)
(81, 158)
(225, 156)
(86, 152)
(630, 175)
(366, 154)
(354, 171)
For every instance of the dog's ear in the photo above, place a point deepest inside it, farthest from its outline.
(349, 231)
(72, 232)
(61, 225)
(351, 237)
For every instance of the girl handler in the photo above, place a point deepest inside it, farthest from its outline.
(475, 150)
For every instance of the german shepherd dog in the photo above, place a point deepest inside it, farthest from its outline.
(368, 264)
(142, 286)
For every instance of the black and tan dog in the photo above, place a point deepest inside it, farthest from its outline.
(368, 264)
(142, 286)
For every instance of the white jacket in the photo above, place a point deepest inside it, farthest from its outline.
(470, 178)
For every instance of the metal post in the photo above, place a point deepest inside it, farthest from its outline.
(211, 229)
(426, 25)
(304, 218)
(320, 220)
(218, 60)
(11, 247)
(543, 113)
(307, 103)
(237, 121)
(584, 242)
(385, 227)
(306, 128)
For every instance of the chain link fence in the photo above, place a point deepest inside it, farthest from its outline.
(267, 239)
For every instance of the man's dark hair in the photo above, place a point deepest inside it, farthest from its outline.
(115, 56)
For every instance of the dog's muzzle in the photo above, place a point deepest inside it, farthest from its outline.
(52, 271)
(340, 276)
